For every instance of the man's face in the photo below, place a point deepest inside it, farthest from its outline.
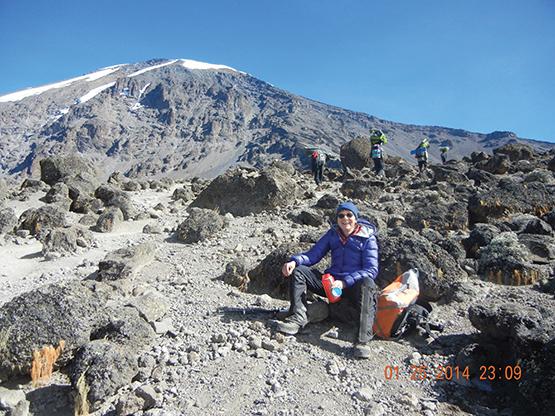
(346, 221)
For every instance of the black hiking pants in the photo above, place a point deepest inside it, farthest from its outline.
(378, 166)
(363, 296)
(318, 171)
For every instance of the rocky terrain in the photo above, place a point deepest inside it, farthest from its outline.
(160, 293)
(184, 118)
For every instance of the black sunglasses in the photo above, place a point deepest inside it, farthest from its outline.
(348, 215)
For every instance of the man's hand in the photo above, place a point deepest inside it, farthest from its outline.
(288, 268)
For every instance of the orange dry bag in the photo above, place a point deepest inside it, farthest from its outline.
(393, 300)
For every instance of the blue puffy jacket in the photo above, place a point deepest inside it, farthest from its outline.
(351, 261)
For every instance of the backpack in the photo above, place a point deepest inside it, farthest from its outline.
(399, 310)
(376, 152)
(420, 151)
(319, 158)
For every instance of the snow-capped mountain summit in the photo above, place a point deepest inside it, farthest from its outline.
(190, 118)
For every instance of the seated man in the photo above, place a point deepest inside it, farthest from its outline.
(354, 265)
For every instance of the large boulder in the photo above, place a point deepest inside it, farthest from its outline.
(398, 168)
(110, 360)
(184, 194)
(541, 247)
(40, 220)
(58, 194)
(499, 164)
(111, 217)
(242, 192)
(8, 220)
(481, 177)
(124, 262)
(511, 197)
(516, 151)
(448, 173)
(237, 273)
(55, 169)
(523, 331)
(81, 185)
(550, 218)
(200, 225)
(443, 217)
(406, 250)
(87, 205)
(506, 261)
(310, 216)
(540, 175)
(113, 197)
(533, 225)
(329, 201)
(99, 370)
(480, 236)
(66, 241)
(362, 189)
(46, 316)
(356, 154)
(266, 277)
(3, 191)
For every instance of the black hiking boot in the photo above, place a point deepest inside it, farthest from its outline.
(361, 350)
(293, 323)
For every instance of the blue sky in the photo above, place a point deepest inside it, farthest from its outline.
(480, 65)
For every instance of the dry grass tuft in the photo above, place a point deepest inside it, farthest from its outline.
(81, 402)
(43, 363)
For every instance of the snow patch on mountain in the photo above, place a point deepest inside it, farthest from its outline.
(95, 91)
(186, 63)
(190, 64)
(150, 68)
(19, 95)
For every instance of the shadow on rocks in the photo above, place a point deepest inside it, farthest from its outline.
(55, 399)
(32, 256)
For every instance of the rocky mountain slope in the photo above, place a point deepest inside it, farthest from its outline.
(163, 291)
(180, 117)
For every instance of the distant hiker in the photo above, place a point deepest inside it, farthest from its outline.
(377, 140)
(318, 162)
(421, 154)
(354, 266)
(443, 150)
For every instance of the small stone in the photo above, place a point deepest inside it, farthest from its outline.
(333, 368)
(255, 342)
(410, 400)
(429, 406)
(193, 356)
(375, 409)
(148, 394)
(260, 353)
(269, 346)
(364, 394)
(163, 326)
(415, 358)
(333, 333)
(219, 338)
(279, 337)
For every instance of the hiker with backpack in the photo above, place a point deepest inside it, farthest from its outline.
(443, 150)
(377, 140)
(421, 154)
(318, 162)
(354, 267)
